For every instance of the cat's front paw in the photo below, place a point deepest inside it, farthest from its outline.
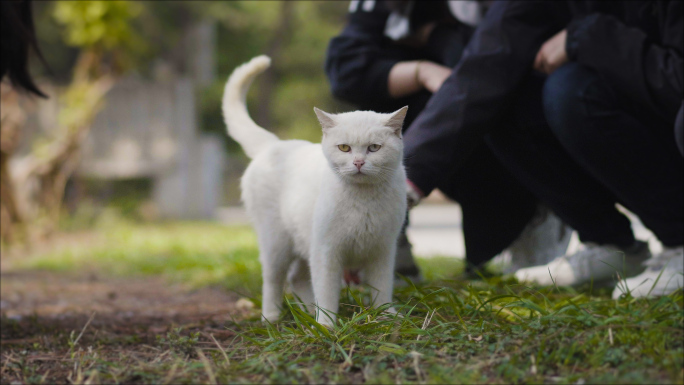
(327, 322)
(271, 317)
(391, 311)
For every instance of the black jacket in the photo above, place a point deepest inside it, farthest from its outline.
(636, 45)
(359, 59)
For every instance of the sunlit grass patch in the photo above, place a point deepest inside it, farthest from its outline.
(198, 253)
(437, 268)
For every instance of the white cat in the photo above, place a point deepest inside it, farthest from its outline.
(321, 208)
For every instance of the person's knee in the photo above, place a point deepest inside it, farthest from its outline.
(561, 96)
(572, 96)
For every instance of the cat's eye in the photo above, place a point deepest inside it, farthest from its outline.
(374, 147)
(344, 147)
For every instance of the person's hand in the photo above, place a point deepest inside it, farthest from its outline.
(552, 54)
(413, 194)
(432, 75)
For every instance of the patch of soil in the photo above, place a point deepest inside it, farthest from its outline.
(37, 302)
(51, 321)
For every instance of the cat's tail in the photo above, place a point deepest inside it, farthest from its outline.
(241, 127)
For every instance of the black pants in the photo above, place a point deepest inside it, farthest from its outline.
(596, 152)
(496, 208)
(679, 129)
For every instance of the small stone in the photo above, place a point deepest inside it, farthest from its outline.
(244, 304)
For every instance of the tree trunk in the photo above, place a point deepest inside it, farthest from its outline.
(12, 226)
(54, 170)
(51, 170)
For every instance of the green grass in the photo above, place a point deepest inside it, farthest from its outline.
(486, 332)
(491, 331)
(197, 253)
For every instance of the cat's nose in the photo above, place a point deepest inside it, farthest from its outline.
(358, 163)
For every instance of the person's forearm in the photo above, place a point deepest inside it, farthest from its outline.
(404, 79)
(408, 77)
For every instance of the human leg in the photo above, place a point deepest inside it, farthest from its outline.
(679, 129)
(496, 208)
(536, 157)
(405, 264)
(632, 156)
(528, 148)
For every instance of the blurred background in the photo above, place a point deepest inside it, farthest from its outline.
(138, 86)
(126, 169)
(132, 130)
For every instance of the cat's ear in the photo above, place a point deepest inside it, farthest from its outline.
(396, 120)
(327, 120)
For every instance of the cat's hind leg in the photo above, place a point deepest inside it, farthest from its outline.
(276, 255)
(300, 281)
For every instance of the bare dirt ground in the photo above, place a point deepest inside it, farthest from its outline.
(44, 313)
(53, 295)
(58, 299)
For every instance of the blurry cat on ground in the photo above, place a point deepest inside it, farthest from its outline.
(320, 209)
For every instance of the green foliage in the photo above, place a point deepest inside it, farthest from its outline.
(246, 29)
(103, 30)
(97, 23)
(146, 32)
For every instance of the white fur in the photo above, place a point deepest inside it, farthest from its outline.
(313, 212)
